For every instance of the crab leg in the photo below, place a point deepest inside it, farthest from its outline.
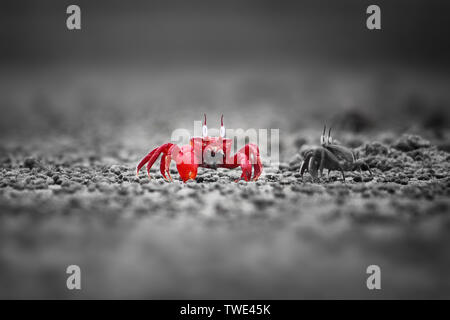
(337, 165)
(322, 162)
(165, 165)
(305, 163)
(360, 164)
(152, 156)
(255, 160)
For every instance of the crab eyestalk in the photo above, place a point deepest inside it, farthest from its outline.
(329, 136)
(205, 127)
(222, 128)
(322, 137)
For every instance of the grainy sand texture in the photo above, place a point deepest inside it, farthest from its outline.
(69, 195)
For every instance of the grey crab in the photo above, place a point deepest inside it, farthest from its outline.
(332, 156)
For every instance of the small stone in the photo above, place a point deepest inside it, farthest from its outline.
(105, 187)
(262, 203)
(65, 183)
(376, 148)
(91, 187)
(115, 169)
(123, 191)
(38, 181)
(408, 142)
(31, 163)
(286, 181)
(19, 186)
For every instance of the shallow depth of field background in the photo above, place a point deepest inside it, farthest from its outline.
(102, 97)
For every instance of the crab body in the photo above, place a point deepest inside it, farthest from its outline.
(331, 156)
(204, 152)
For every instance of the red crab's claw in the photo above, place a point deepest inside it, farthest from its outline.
(246, 167)
(187, 167)
(247, 157)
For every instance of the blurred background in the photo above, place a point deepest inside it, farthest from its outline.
(263, 63)
(79, 108)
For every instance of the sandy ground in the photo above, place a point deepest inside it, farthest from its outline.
(74, 199)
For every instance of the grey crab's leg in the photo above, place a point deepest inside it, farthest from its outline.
(359, 164)
(335, 162)
(305, 163)
(312, 165)
(322, 162)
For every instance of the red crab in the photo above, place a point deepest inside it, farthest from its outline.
(205, 152)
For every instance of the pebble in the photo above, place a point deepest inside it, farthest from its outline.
(409, 142)
(31, 163)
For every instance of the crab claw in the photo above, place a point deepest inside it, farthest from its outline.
(247, 157)
(187, 167)
(311, 163)
(305, 163)
(246, 171)
(246, 167)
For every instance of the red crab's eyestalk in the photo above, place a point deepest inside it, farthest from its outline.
(205, 128)
(222, 128)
